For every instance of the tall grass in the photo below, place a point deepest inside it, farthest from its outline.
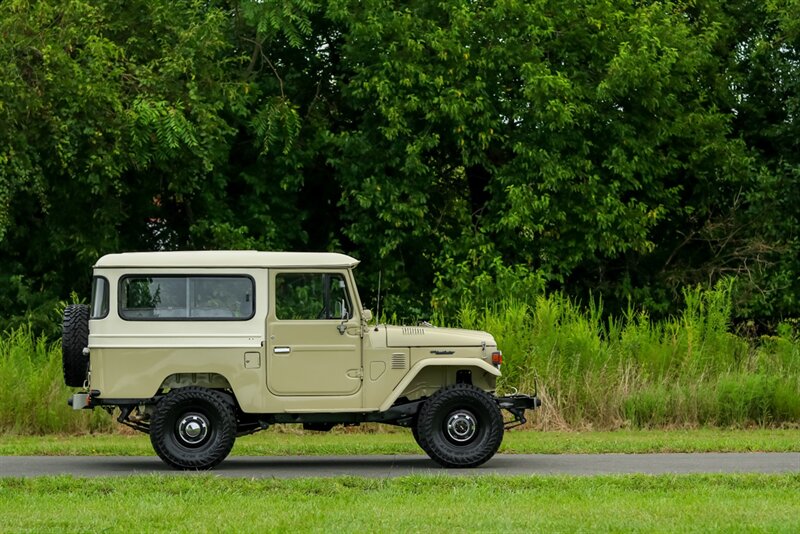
(629, 371)
(33, 397)
(593, 371)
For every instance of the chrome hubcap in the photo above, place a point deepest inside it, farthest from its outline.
(461, 426)
(193, 429)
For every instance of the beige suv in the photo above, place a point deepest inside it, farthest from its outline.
(197, 348)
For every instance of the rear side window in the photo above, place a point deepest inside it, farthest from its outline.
(176, 298)
(99, 298)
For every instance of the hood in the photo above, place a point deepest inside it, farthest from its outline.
(420, 336)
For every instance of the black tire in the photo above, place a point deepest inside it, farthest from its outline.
(460, 426)
(415, 433)
(74, 338)
(193, 428)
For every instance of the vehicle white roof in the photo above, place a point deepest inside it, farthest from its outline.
(225, 258)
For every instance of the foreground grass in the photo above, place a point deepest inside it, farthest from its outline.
(699, 503)
(271, 443)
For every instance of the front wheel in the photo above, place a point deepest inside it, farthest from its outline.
(415, 432)
(460, 426)
(193, 428)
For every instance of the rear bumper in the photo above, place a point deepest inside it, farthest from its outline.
(83, 401)
(79, 401)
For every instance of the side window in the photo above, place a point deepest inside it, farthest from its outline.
(311, 296)
(186, 298)
(221, 297)
(99, 305)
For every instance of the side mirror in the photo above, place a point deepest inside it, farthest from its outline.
(366, 315)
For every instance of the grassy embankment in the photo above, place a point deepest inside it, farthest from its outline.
(626, 372)
(699, 503)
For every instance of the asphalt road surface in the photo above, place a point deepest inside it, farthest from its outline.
(392, 466)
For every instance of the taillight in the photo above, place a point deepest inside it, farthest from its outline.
(497, 358)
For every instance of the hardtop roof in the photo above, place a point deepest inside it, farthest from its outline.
(225, 258)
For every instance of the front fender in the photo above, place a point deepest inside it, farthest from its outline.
(437, 362)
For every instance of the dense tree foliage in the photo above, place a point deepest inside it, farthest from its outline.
(465, 149)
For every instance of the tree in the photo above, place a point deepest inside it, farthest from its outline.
(465, 149)
(111, 122)
(557, 138)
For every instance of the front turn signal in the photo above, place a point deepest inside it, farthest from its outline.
(497, 358)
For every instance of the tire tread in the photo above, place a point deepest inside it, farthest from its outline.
(74, 338)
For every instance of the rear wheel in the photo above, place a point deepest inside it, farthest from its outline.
(460, 426)
(193, 428)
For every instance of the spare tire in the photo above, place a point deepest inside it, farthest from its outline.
(74, 338)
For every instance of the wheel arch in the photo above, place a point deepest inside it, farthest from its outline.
(475, 365)
(208, 380)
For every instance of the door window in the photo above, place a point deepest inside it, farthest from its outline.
(311, 296)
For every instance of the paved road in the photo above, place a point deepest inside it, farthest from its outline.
(392, 466)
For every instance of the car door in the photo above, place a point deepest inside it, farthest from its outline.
(314, 334)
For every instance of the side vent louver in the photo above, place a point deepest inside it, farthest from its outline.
(413, 331)
(399, 360)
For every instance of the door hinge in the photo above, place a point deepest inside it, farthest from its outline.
(356, 373)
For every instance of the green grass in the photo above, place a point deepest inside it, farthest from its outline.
(400, 442)
(667, 503)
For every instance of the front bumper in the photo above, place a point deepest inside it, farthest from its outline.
(516, 405)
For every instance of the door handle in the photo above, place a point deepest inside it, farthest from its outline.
(282, 350)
